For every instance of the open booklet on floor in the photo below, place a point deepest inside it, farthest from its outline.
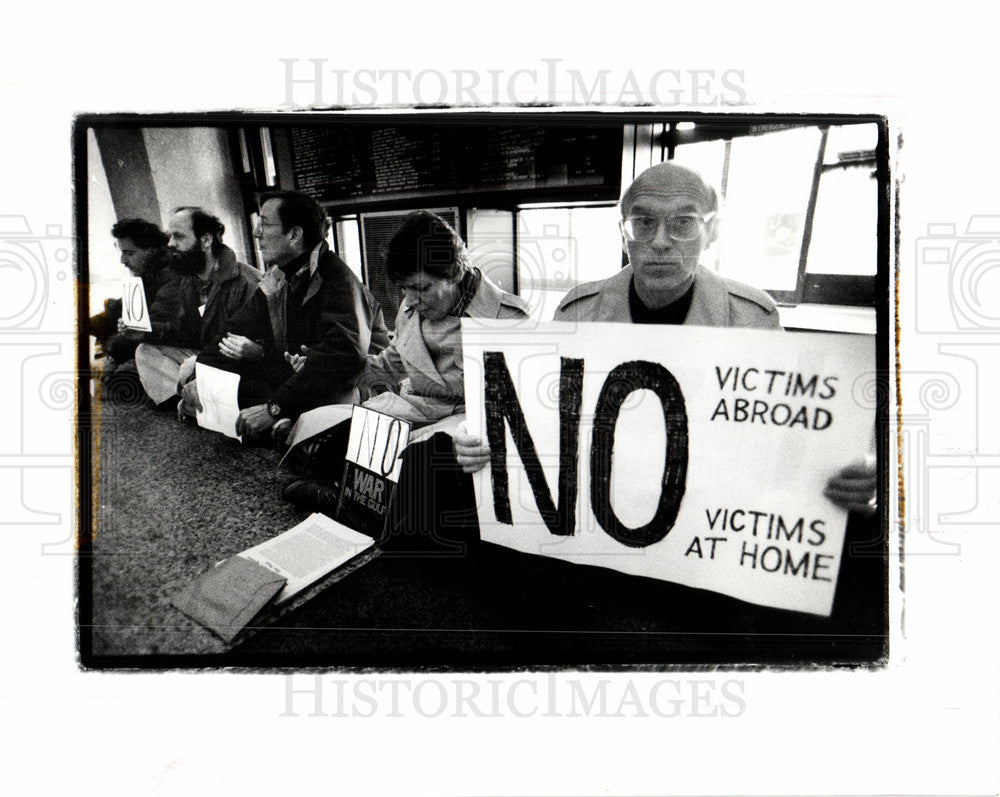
(273, 577)
(307, 552)
(264, 582)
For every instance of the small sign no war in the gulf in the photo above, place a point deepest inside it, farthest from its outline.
(688, 454)
(371, 469)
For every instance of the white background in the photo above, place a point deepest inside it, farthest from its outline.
(925, 725)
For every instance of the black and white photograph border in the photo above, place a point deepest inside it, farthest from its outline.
(924, 724)
(161, 502)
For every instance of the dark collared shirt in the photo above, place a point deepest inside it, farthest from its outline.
(293, 266)
(673, 313)
(297, 275)
(205, 287)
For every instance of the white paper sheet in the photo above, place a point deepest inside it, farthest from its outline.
(217, 392)
(377, 441)
(307, 552)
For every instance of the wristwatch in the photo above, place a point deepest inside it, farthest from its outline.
(273, 409)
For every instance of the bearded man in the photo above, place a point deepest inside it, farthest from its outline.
(194, 310)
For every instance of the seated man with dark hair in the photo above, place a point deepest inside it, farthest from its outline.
(193, 309)
(143, 252)
(308, 301)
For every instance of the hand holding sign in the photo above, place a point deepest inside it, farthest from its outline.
(470, 450)
(135, 313)
(853, 487)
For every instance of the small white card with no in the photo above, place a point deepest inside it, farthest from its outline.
(376, 442)
(135, 312)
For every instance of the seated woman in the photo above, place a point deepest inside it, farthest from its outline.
(419, 378)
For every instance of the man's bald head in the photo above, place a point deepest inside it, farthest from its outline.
(668, 218)
(671, 179)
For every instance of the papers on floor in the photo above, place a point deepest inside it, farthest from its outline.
(307, 552)
(254, 584)
(229, 596)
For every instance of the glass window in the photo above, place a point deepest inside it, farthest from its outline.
(491, 244)
(760, 234)
(708, 158)
(349, 243)
(844, 233)
(558, 248)
(270, 171)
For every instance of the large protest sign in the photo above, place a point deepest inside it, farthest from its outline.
(687, 454)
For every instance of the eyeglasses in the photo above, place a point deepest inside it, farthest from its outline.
(681, 227)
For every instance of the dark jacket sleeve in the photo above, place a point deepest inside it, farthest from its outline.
(168, 316)
(251, 320)
(338, 356)
(380, 332)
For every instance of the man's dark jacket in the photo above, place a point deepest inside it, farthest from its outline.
(314, 301)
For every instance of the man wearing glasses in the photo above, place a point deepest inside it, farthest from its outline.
(309, 301)
(668, 218)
